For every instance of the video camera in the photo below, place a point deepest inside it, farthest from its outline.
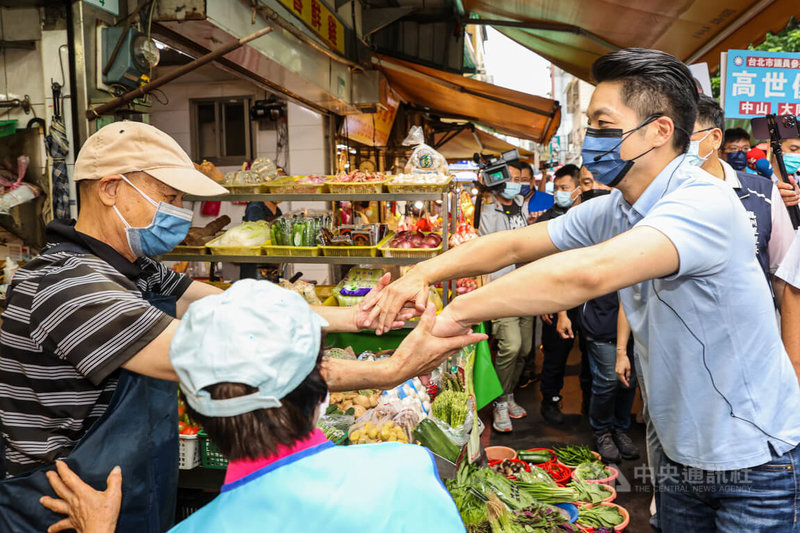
(494, 170)
(775, 128)
(495, 174)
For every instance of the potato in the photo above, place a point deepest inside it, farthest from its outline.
(346, 405)
(363, 401)
(337, 397)
(373, 400)
(358, 411)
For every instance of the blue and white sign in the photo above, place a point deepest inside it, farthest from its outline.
(758, 83)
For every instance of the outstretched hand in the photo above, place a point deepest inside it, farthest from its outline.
(88, 510)
(386, 306)
(361, 314)
(430, 343)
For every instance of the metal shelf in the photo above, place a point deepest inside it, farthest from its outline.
(321, 197)
(268, 259)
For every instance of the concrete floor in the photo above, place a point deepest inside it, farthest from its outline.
(634, 490)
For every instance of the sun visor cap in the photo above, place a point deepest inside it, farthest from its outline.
(123, 147)
(255, 333)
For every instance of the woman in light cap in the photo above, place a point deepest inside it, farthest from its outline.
(252, 376)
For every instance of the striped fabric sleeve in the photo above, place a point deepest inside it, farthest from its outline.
(92, 320)
(163, 280)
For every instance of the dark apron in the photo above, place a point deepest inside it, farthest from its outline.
(138, 432)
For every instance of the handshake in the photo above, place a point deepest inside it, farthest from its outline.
(389, 306)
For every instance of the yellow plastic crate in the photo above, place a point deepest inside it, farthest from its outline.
(423, 188)
(234, 250)
(289, 185)
(295, 251)
(247, 189)
(355, 251)
(419, 253)
(183, 249)
(346, 187)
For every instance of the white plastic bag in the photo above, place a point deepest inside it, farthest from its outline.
(424, 159)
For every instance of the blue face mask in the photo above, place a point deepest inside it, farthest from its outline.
(792, 163)
(563, 198)
(511, 191)
(738, 160)
(169, 227)
(600, 152)
(525, 190)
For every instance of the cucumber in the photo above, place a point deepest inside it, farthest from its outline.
(535, 457)
(429, 435)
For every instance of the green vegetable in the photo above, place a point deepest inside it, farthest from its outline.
(450, 407)
(600, 516)
(575, 455)
(536, 475)
(535, 457)
(589, 492)
(246, 234)
(509, 493)
(433, 438)
(593, 471)
(546, 493)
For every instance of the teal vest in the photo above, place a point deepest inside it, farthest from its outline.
(388, 487)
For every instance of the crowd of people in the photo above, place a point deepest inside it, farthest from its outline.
(661, 254)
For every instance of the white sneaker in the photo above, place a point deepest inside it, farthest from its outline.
(502, 422)
(515, 410)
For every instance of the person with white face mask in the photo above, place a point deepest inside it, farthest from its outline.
(761, 197)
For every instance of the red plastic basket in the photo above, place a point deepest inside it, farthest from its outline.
(525, 466)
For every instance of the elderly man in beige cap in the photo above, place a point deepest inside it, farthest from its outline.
(85, 374)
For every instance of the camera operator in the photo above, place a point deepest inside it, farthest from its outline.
(514, 334)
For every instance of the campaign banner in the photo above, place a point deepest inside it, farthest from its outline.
(759, 83)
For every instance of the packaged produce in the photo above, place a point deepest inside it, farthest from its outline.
(432, 437)
(409, 395)
(246, 234)
(303, 288)
(451, 407)
(298, 230)
(335, 426)
(424, 159)
(356, 284)
(465, 232)
(465, 285)
(264, 169)
(591, 471)
(341, 353)
(421, 179)
(356, 176)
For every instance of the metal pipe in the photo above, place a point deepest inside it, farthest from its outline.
(73, 81)
(177, 73)
(192, 49)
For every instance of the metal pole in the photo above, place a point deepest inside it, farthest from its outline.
(177, 73)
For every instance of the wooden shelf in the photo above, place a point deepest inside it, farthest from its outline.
(269, 259)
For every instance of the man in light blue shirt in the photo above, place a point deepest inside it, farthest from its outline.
(676, 243)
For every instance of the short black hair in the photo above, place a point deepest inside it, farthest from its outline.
(258, 433)
(520, 165)
(709, 113)
(572, 171)
(735, 134)
(653, 82)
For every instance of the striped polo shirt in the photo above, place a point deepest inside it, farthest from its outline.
(71, 320)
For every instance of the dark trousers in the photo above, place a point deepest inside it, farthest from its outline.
(556, 351)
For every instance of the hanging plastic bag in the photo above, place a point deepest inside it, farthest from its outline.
(424, 159)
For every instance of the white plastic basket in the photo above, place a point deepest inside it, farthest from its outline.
(188, 452)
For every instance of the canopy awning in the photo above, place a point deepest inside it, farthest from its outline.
(462, 143)
(450, 95)
(573, 33)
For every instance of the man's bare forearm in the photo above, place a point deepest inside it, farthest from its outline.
(489, 253)
(347, 375)
(340, 319)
